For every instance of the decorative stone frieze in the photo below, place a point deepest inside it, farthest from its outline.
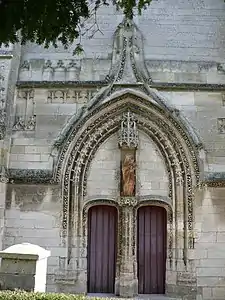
(71, 95)
(50, 70)
(25, 94)
(58, 96)
(26, 98)
(34, 176)
(176, 86)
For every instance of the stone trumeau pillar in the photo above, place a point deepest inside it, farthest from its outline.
(9, 67)
(126, 281)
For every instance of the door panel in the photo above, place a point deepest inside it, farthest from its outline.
(151, 249)
(102, 233)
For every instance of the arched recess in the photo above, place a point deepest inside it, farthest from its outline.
(172, 139)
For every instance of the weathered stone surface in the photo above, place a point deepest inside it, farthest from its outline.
(18, 281)
(177, 50)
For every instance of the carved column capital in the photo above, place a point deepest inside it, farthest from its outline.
(127, 201)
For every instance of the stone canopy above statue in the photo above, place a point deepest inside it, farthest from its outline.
(128, 134)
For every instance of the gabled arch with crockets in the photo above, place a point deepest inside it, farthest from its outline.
(95, 124)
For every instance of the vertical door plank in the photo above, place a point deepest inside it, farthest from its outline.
(102, 245)
(151, 249)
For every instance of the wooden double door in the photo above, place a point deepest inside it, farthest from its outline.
(102, 249)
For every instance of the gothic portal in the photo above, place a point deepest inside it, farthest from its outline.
(123, 177)
(114, 160)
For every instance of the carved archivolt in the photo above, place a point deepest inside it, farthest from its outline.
(177, 148)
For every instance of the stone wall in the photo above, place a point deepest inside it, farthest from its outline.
(103, 179)
(9, 68)
(50, 109)
(105, 171)
(152, 176)
(33, 215)
(203, 110)
(209, 252)
(191, 30)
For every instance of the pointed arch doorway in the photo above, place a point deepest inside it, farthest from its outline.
(151, 249)
(102, 245)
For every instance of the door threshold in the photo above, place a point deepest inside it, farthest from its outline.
(156, 297)
(102, 295)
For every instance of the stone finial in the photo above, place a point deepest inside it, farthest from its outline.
(31, 123)
(47, 65)
(60, 64)
(19, 124)
(72, 64)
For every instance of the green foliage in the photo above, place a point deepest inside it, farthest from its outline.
(43, 22)
(128, 6)
(21, 295)
(47, 21)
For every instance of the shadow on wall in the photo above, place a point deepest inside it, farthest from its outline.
(210, 209)
(32, 197)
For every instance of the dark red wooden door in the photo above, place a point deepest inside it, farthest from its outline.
(102, 233)
(151, 251)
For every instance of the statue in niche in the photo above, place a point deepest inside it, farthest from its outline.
(128, 175)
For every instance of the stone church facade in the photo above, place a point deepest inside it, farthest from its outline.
(115, 160)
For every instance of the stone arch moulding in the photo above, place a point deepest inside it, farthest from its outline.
(172, 138)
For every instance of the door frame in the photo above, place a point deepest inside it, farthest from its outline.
(156, 201)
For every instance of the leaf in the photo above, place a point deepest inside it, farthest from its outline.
(78, 50)
(48, 21)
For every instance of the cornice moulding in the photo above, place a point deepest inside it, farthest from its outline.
(157, 85)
